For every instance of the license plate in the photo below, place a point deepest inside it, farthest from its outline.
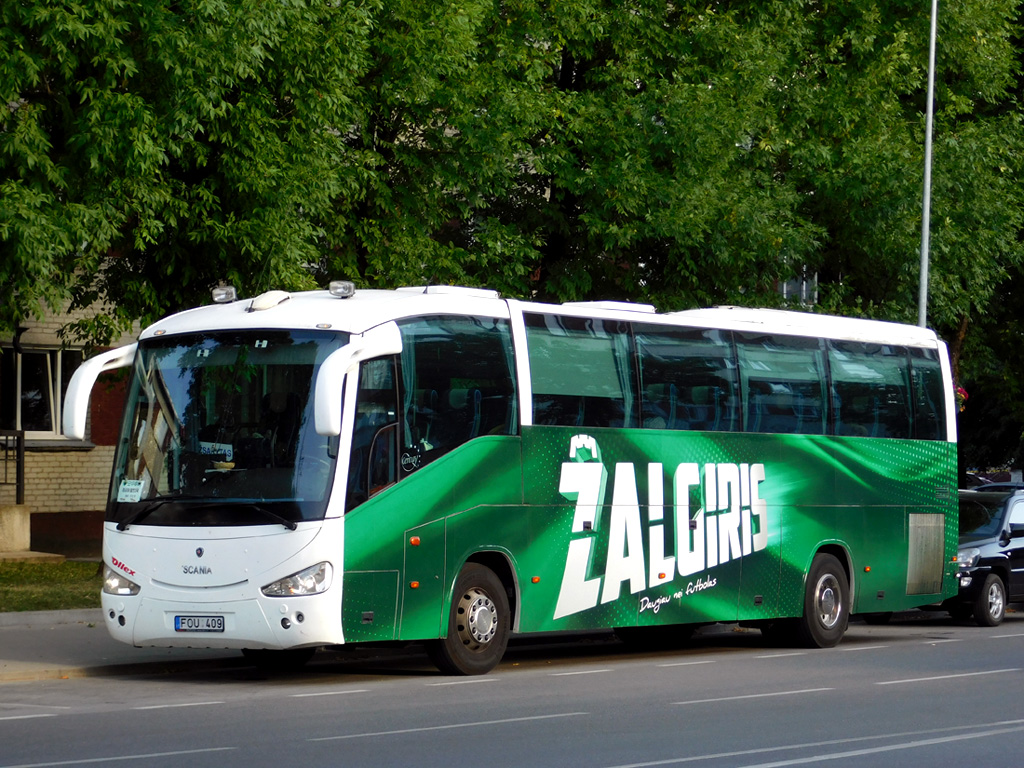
(198, 623)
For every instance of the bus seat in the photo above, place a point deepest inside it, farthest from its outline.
(282, 415)
(421, 414)
(660, 403)
(704, 407)
(462, 419)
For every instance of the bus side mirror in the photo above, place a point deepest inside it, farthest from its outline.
(379, 341)
(76, 401)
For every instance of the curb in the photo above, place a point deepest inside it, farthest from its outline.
(50, 618)
(125, 669)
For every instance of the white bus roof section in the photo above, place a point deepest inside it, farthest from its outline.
(319, 310)
(807, 324)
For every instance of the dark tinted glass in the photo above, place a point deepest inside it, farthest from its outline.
(582, 371)
(687, 378)
(782, 380)
(929, 403)
(870, 389)
(457, 384)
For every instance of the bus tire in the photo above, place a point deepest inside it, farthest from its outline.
(990, 605)
(478, 624)
(826, 604)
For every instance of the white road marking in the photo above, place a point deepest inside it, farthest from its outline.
(947, 677)
(752, 696)
(1008, 726)
(117, 758)
(184, 704)
(429, 728)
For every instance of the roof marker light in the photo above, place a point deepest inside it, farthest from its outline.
(224, 294)
(342, 289)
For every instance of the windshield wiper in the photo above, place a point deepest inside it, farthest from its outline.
(154, 505)
(291, 525)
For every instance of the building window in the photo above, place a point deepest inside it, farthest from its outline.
(32, 387)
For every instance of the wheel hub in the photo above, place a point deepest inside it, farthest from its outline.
(828, 601)
(995, 601)
(478, 619)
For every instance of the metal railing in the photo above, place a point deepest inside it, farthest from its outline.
(15, 437)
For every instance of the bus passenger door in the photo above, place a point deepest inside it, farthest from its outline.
(422, 592)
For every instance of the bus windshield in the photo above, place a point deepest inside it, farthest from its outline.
(219, 430)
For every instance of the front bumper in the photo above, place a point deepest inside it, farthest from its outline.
(310, 620)
(970, 582)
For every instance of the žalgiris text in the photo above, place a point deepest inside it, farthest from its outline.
(732, 522)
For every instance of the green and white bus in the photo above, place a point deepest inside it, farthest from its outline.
(439, 464)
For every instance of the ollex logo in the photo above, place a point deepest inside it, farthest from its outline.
(118, 564)
(730, 522)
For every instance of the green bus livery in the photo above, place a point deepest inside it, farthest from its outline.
(439, 464)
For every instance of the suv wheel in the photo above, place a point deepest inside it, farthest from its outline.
(990, 605)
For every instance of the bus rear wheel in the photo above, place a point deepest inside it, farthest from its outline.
(826, 604)
(478, 624)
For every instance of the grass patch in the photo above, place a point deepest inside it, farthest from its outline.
(49, 586)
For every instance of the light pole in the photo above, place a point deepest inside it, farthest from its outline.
(922, 300)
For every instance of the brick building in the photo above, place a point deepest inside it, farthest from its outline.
(66, 480)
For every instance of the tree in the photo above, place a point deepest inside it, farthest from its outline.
(150, 150)
(683, 153)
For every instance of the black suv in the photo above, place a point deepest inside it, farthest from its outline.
(991, 556)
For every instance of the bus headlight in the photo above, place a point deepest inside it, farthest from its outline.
(116, 584)
(968, 558)
(311, 581)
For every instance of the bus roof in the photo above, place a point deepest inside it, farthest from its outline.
(366, 309)
(807, 324)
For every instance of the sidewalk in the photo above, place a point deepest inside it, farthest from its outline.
(56, 645)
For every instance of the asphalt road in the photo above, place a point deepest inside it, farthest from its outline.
(919, 692)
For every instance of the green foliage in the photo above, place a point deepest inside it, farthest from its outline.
(683, 154)
(150, 150)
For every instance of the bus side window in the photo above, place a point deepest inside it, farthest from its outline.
(582, 371)
(687, 378)
(376, 418)
(870, 389)
(929, 404)
(457, 384)
(783, 384)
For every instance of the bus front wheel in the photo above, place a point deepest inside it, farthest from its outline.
(826, 603)
(478, 624)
